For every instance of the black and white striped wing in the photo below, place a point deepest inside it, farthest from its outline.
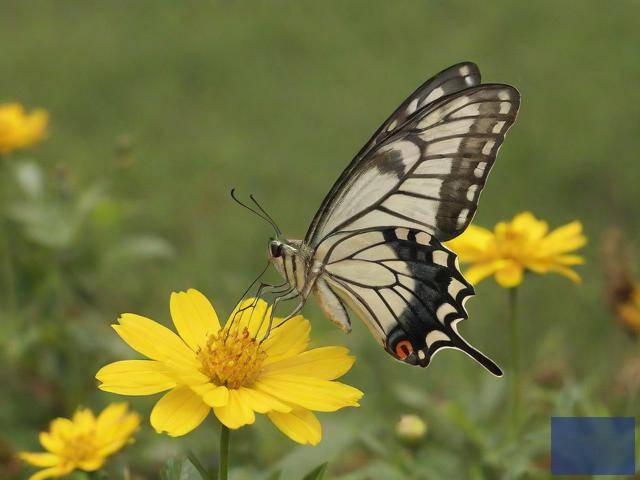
(428, 175)
(406, 287)
(449, 81)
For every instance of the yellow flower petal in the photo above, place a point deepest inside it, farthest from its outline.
(50, 442)
(53, 472)
(261, 402)
(236, 413)
(308, 392)
(92, 464)
(40, 459)
(111, 416)
(567, 272)
(216, 396)
(120, 434)
(252, 314)
(288, 339)
(327, 363)
(194, 317)
(570, 260)
(478, 272)
(62, 428)
(525, 222)
(565, 239)
(473, 245)
(154, 340)
(83, 420)
(135, 377)
(301, 426)
(178, 412)
(115, 425)
(510, 274)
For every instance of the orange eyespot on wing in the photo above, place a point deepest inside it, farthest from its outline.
(404, 348)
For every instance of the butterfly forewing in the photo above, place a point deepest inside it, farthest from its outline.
(429, 174)
(451, 80)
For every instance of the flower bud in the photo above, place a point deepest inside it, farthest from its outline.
(411, 429)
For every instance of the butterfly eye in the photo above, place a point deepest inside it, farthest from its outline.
(404, 348)
(275, 249)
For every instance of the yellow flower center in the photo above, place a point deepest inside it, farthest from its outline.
(79, 448)
(232, 358)
(512, 244)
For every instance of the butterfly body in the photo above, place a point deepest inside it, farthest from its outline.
(375, 245)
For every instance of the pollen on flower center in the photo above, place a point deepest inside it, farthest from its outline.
(232, 358)
(80, 447)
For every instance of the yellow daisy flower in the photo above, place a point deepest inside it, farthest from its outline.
(513, 247)
(230, 370)
(19, 129)
(83, 442)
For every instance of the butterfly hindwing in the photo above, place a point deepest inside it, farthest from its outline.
(407, 288)
(429, 174)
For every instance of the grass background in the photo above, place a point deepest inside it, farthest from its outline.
(168, 105)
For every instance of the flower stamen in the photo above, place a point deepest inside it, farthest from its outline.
(232, 358)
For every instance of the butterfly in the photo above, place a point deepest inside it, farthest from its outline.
(375, 246)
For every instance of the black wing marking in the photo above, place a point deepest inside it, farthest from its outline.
(407, 288)
(429, 174)
(451, 80)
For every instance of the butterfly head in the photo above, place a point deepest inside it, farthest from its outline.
(278, 250)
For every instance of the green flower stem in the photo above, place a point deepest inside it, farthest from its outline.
(223, 472)
(516, 384)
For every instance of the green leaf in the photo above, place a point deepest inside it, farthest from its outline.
(180, 469)
(275, 475)
(317, 473)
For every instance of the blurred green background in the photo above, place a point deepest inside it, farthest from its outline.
(159, 108)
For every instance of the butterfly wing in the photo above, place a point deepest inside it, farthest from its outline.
(405, 286)
(429, 174)
(451, 80)
(415, 184)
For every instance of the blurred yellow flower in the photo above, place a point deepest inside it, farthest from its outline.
(230, 370)
(83, 442)
(21, 130)
(629, 310)
(513, 247)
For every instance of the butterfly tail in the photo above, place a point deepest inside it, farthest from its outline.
(479, 357)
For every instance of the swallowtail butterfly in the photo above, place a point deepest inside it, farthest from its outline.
(375, 245)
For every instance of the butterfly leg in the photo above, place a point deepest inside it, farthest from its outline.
(291, 294)
(263, 289)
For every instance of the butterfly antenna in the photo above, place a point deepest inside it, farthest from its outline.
(255, 212)
(273, 222)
